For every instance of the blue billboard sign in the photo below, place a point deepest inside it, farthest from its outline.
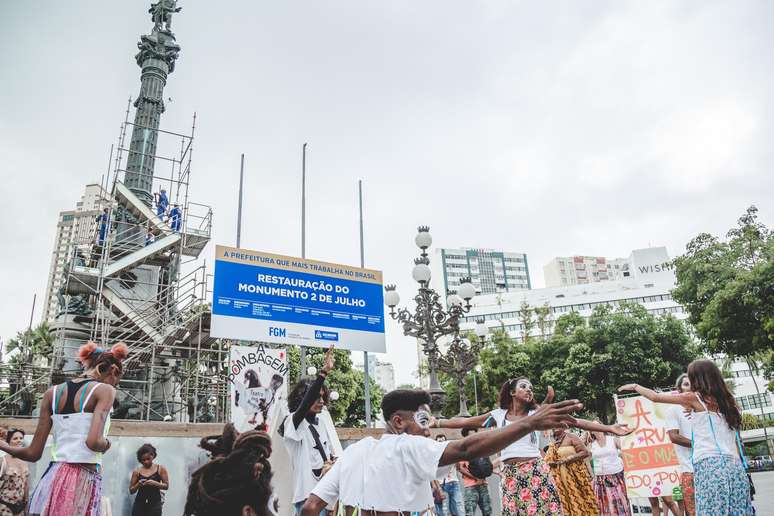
(273, 298)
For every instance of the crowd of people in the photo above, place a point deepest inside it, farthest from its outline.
(403, 471)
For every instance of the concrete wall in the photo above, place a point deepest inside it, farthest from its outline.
(178, 450)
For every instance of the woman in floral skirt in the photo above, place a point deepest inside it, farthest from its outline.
(527, 484)
(609, 482)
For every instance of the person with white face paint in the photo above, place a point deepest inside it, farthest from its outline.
(392, 474)
(527, 485)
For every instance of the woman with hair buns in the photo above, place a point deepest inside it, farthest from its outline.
(236, 482)
(77, 414)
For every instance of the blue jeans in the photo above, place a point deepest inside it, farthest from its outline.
(300, 505)
(454, 498)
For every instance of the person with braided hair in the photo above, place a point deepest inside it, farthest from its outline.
(222, 444)
(237, 483)
(77, 414)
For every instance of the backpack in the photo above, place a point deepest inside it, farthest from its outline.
(480, 468)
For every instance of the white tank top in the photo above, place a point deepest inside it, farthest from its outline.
(712, 436)
(527, 446)
(70, 432)
(606, 459)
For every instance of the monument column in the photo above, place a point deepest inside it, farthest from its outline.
(157, 56)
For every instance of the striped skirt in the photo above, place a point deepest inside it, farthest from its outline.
(67, 490)
(610, 492)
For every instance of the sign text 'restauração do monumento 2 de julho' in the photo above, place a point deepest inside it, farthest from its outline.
(273, 298)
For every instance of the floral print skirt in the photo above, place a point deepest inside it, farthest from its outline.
(67, 490)
(528, 488)
(12, 492)
(722, 487)
(610, 491)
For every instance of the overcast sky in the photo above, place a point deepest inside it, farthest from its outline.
(551, 128)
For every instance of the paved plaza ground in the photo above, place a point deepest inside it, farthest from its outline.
(764, 492)
(764, 498)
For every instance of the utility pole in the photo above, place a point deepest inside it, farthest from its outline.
(366, 387)
(302, 349)
(239, 205)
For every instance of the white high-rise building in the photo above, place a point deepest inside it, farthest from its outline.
(491, 271)
(383, 373)
(582, 270)
(649, 282)
(71, 225)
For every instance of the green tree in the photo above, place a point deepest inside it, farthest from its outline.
(527, 321)
(354, 415)
(501, 359)
(35, 345)
(543, 320)
(32, 349)
(727, 287)
(407, 386)
(349, 409)
(612, 348)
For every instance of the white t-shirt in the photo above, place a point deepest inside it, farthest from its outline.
(392, 473)
(677, 419)
(304, 457)
(346, 479)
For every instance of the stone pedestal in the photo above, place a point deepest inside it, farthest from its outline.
(72, 332)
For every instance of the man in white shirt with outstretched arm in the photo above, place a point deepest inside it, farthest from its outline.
(392, 474)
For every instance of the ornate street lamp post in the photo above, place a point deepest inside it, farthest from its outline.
(430, 321)
(458, 361)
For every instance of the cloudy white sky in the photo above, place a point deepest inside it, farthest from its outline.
(552, 128)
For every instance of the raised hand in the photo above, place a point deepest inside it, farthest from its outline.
(329, 361)
(554, 415)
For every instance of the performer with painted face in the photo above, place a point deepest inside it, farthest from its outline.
(527, 484)
(393, 473)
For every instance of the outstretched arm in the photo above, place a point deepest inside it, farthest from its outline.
(462, 422)
(686, 399)
(34, 451)
(591, 426)
(484, 444)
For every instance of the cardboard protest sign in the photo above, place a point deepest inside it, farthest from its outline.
(649, 457)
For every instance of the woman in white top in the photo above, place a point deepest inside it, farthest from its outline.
(527, 485)
(719, 478)
(77, 413)
(609, 483)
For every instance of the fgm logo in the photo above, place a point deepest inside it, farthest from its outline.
(277, 332)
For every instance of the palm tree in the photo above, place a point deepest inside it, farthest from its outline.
(34, 345)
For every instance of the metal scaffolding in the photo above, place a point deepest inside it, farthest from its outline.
(135, 276)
